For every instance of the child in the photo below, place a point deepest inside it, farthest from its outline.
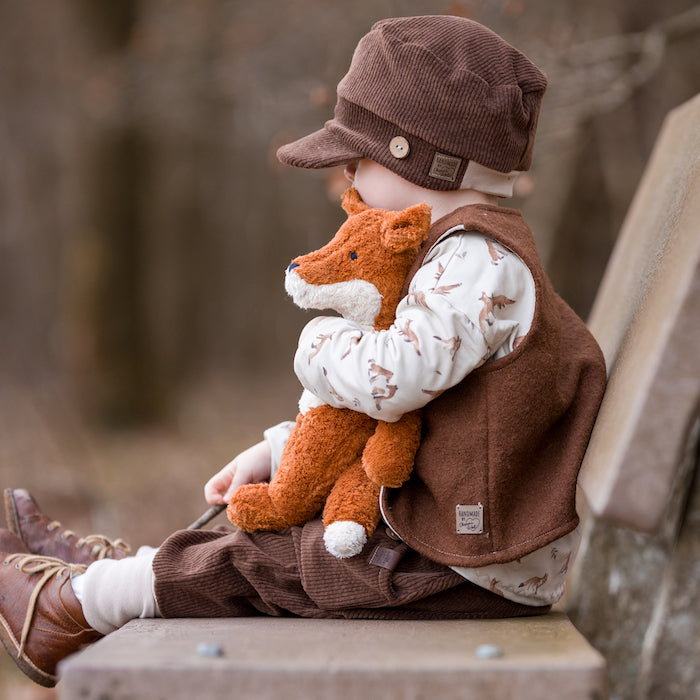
(437, 110)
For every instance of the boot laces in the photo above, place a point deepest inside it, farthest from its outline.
(102, 547)
(47, 567)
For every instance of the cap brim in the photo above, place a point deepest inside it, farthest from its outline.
(318, 150)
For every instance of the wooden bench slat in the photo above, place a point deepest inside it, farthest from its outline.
(646, 319)
(295, 658)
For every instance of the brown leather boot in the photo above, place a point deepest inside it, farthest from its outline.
(44, 536)
(11, 544)
(41, 620)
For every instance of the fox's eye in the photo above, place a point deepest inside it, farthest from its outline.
(353, 255)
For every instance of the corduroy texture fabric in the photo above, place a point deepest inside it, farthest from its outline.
(231, 573)
(453, 89)
(511, 435)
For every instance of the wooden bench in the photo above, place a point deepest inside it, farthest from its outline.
(270, 658)
(634, 592)
(645, 319)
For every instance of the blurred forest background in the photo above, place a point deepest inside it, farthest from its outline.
(145, 335)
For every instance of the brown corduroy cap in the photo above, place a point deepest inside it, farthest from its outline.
(423, 97)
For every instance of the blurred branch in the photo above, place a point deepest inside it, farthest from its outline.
(596, 77)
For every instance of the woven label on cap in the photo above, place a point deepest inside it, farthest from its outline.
(470, 520)
(445, 167)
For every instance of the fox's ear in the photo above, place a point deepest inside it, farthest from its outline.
(406, 229)
(352, 202)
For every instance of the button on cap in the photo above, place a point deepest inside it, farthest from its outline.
(398, 147)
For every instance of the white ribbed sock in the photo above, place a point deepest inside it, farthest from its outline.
(112, 592)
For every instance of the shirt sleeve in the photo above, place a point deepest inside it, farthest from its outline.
(471, 300)
(277, 437)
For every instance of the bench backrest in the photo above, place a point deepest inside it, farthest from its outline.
(646, 318)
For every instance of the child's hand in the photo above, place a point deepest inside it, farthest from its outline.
(251, 466)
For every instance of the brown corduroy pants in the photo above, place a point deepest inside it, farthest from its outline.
(230, 573)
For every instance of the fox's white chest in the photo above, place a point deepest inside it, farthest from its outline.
(355, 300)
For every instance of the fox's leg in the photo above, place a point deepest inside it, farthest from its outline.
(390, 452)
(351, 513)
(250, 508)
(323, 443)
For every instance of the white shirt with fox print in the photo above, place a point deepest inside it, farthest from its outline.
(471, 301)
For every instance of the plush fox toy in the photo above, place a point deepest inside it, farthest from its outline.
(338, 456)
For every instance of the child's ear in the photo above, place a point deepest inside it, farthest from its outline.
(352, 202)
(406, 229)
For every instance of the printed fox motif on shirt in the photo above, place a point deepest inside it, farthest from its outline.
(495, 252)
(490, 304)
(380, 379)
(419, 297)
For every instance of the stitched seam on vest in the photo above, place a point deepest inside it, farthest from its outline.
(489, 505)
(500, 551)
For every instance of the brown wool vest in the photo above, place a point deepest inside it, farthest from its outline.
(509, 437)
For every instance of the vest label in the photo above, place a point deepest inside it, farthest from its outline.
(470, 520)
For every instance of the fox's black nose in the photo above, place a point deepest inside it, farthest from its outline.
(292, 266)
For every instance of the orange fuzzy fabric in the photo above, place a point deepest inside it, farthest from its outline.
(336, 457)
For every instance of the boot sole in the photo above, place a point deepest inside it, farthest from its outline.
(23, 663)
